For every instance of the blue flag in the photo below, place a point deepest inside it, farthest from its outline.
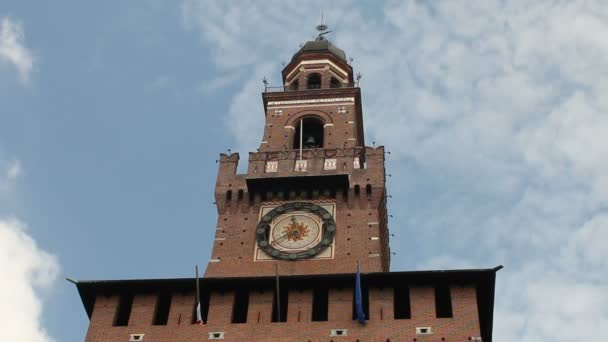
(359, 297)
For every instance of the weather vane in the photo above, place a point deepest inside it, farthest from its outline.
(322, 28)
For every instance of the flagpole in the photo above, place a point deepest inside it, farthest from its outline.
(301, 136)
(199, 319)
(276, 268)
(198, 300)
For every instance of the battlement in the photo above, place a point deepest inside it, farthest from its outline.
(400, 306)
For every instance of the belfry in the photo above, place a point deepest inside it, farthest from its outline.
(301, 245)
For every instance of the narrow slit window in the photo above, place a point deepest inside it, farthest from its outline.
(240, 306)
(368, 190)
(123, 311)
(240, 194)
(319, 304)
(229, 195)
(283, 297)
(357, 190)
(163, 306)
(204, 298)
(401, 303)
(443, 301)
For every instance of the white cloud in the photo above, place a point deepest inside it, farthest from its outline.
(25, 270)
(497, 115)
(12, 48)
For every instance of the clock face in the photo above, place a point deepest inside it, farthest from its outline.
(296, 230)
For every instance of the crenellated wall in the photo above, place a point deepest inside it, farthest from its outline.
(381, 324)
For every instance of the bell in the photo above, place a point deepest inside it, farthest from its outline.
(310, 142)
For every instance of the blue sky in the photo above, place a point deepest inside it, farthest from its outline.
(112, 115)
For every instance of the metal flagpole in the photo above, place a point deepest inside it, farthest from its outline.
(276, 267)
(198, 300)
(301, 134)
(199, 319)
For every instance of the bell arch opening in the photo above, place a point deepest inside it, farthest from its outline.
(314, 81)
(311, 135)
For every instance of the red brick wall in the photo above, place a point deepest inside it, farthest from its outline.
(358, 218)
(298, 326)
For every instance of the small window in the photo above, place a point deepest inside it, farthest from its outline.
(443, 301)
(334, 83)
(357, 190)
(123, 311)
(240, 194)
(229, 195)
(338, 332)
(314, 81)
(216, 335)
(163, 305)
(368, 190)
(424, 330)
(136, 337)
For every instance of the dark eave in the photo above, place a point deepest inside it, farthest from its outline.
(274, 184)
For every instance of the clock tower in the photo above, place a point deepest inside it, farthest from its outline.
(290, 233)
(313, 199)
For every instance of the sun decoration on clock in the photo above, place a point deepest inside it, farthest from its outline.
(296, 230)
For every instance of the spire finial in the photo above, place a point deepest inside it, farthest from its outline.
(322, 28)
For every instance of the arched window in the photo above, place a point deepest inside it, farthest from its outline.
(314, 81)
(312, 135)
(295, 85)
(334, 83)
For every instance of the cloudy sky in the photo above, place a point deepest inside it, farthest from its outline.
(112, 115)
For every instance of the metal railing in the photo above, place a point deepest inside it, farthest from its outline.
(287, 88)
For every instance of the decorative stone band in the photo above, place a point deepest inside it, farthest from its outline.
(309, 101)
(328, 231)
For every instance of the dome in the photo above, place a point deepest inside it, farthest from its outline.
(321, 45)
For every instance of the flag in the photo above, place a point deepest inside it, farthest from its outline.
(359, 297)
(199, 317)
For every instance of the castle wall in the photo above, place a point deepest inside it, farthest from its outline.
(381, 324)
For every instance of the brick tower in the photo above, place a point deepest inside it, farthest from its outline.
(312, 152)
(289, 235)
